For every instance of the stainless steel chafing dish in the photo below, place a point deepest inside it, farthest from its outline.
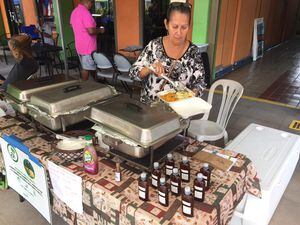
(68, 104)
(133, 127)
(19, 93)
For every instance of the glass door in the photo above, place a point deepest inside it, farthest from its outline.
(155, 12)
(14, 14)
(103, 12)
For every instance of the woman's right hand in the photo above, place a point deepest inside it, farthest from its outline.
(159, 69)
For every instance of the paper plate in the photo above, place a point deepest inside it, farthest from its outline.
(190, 107)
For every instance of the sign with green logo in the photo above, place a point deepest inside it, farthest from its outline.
(25, 174)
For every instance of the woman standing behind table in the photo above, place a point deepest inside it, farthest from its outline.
(172, 55)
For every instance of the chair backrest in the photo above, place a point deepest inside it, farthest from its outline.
(30, 30)
(101, 61)
(122, 63)
(232, 92)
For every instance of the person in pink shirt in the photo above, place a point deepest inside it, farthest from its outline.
(85, 32)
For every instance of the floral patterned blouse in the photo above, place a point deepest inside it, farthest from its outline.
(188, 69)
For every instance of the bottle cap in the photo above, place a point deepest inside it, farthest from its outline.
(143, 176)
(162, 181)
(199, 176)
(175, 171)
(155, 165)
(187, 190)
(184, 159)
(206, 165)
(170, 156)
(88, 137)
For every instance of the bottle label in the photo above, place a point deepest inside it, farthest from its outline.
(88, 158)
(198, 194)
(162, 194)
(205, 180)
(186, 207)
(118, 176)
(162, 197)
(154, 182)
(174, 189)
(198, 188)
(169, 170)
(142, 192)
(185, 175)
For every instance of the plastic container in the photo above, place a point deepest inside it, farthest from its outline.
(90, 159)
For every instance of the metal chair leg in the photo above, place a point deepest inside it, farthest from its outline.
(5, 57)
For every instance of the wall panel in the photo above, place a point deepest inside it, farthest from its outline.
(127, 23)
(242, 43)
(29, 12)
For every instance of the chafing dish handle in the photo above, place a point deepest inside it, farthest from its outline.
(43, 79)
(134, 107)
(72, 88)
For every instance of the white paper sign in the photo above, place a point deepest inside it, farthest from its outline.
(26, 175)
(258, 39)
(66, 186)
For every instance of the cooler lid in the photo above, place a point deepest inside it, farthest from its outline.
(136, 120)
(267, 148)
(70, 97)
(22, 90)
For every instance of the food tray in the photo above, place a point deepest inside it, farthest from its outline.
(173, 91)
(186, 107)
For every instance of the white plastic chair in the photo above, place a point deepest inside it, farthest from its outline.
(206, 130)
(105, 67)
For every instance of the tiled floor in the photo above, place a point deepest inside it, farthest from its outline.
(285, 89)
(275, 77)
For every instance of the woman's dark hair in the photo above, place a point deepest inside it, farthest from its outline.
(184, 8)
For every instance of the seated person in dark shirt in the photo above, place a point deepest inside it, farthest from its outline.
(26, 65)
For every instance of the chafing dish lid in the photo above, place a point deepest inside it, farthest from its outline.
(69, 97)
(22, 90)
(136, 120)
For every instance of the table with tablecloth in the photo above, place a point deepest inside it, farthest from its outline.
(106, 201)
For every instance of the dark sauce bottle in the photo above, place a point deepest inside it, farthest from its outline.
(155, 175)
(163, 192)
(187, 202)
(185, 169)
(175, 182)
(205, 170)
(199, 188)
(143, 187)
(169, 164)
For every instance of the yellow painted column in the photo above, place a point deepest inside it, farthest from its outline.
(29, 12)
(4, 18)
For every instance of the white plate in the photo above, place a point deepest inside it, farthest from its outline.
(190, 107)
(68, 145)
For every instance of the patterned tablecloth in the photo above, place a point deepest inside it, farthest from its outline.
(106, 201)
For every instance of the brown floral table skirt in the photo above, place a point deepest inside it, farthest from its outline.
(106, 201)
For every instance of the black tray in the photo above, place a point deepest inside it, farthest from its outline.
(154, 156)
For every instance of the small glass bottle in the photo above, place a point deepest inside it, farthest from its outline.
(155, 175)
(199, 188)
(175, 182)
(163, 192)
(169, 164)
(118, 175)
(185, 169)
(205, 170)
(143, 187)
(187, 202)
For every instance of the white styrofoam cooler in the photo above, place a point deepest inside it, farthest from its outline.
(275, 154)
